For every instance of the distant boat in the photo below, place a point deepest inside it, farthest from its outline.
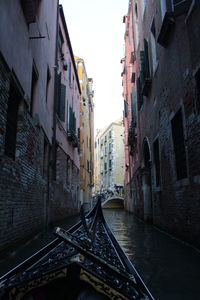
(85, 262)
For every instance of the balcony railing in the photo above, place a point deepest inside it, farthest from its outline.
(72, 137)
(132, 137)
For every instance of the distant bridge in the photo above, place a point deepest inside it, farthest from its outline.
(113, 202)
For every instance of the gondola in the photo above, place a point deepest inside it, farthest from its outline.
(85, 262)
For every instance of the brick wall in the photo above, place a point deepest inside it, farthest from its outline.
(175, 203)
(22, 202)
(65, 199)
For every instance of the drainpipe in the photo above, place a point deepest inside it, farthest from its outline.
(55, 98)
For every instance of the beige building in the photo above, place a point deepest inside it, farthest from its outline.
(109, 158)
(86, 133)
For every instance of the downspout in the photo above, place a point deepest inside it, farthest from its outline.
(55, 98)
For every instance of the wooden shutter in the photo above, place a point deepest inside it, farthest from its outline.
(146, 58)
(139, 94)
(62, 102)
(133, 107)
(58, 89)
(125, 109)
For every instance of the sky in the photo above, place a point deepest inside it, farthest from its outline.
(96, 32)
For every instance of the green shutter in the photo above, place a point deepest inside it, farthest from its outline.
(125, 109)
(62, 102)
(71, 119)
(133, 107)
(146, 51)
(142, 66)
(139, 94)
(58, 88)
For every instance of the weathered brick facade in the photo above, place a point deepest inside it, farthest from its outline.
(31, 196)
(22, 187)
(168, 118)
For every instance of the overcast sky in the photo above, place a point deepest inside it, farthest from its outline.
(96, 32)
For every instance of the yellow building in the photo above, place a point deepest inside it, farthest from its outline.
(109, 158)
(86, 133)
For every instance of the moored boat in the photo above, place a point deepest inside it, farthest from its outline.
(85, 262)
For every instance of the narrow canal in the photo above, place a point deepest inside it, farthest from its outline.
(169, 268)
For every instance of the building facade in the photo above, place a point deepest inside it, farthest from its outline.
(34, 141)
(109, 158)
(165, 185)
(86, 134)
(67, 94)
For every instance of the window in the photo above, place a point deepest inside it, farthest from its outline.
(105, 166)
(133, 107)
(135, 21)
(125, 109)
(145, 71)
(110, 147)
(110, 164)
(139, 94)
(11, 122)
(153, 46)
(33, 87)
(156, 155)
(69, 73)
(30, 9)
(179, 145)
(61, 88)
(88, 166)
(105, 151)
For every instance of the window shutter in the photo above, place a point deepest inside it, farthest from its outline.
(70, 119)
(62, 102)
(146, 59)
(139, 94)
(133, 107)
(142, 65)
(29, 9)
(58, 89)
(125, 109)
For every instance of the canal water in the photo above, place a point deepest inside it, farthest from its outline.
(169, 267)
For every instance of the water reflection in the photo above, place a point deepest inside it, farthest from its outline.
(170, 268)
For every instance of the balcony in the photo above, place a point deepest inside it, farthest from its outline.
(132, 137)
(73, 138)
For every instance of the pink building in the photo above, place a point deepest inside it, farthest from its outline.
(163, 166)
(130, 118)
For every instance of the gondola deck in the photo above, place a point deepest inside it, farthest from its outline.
(85, 262)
